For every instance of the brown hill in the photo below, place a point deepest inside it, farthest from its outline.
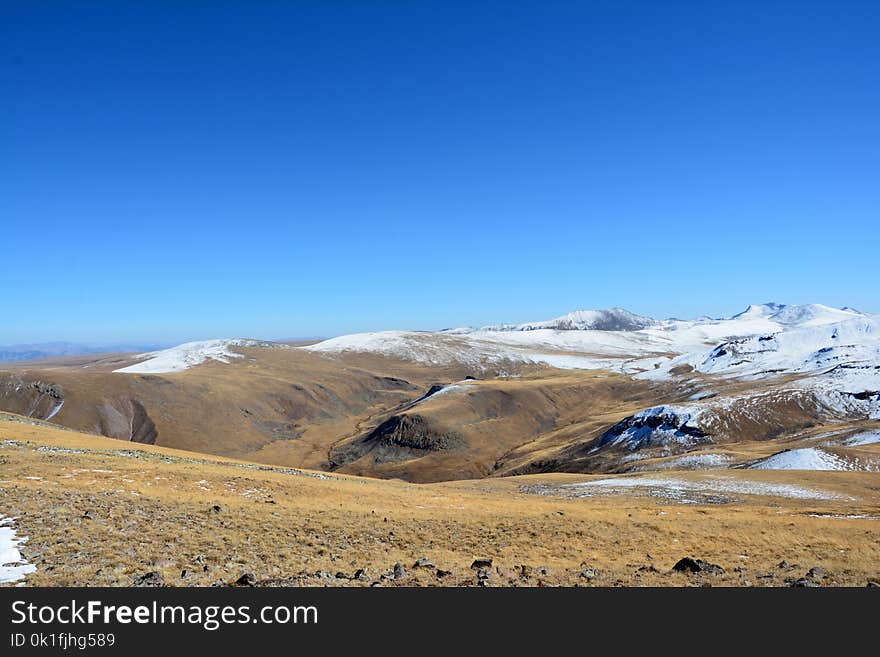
(384, 417)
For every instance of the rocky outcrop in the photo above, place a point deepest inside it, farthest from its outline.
(411, 431)
(399, 438)
(663, 425)
(37, 399)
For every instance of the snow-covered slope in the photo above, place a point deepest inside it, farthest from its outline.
(480, 348)
(846, 352)
(807, 458)
(189, 354)
(764, 340)
(813, 314)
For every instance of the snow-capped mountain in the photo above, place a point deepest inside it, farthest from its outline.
(19, 352)
(827, 359)
(763, 340)
(841, 349)
(811, 314)
(613, 319)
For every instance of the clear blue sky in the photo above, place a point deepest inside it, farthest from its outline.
(175, 171)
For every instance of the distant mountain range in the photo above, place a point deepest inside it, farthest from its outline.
(19, 352)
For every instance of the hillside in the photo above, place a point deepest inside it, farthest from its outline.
(88, 510)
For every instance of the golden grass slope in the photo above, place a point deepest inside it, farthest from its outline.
(101, 512)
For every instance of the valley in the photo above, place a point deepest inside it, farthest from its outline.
(600, 441)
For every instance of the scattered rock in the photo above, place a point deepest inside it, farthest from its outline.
(216, 508)
(247, 579)
(784, 565)
(689, 565)
(341, 575)
(360, 574)
(816, 572)
(152, 578)
(589, 573)
(481, 563)
(424, 562)
(399, 571)
(443, 573)
(804, 583)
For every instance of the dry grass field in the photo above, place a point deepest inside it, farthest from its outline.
(98, 511)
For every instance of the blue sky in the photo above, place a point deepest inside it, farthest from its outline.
(174, 171)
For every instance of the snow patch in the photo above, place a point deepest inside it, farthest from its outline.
(12, 566)
(864, 438)
(690, 462)
(706, 484)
